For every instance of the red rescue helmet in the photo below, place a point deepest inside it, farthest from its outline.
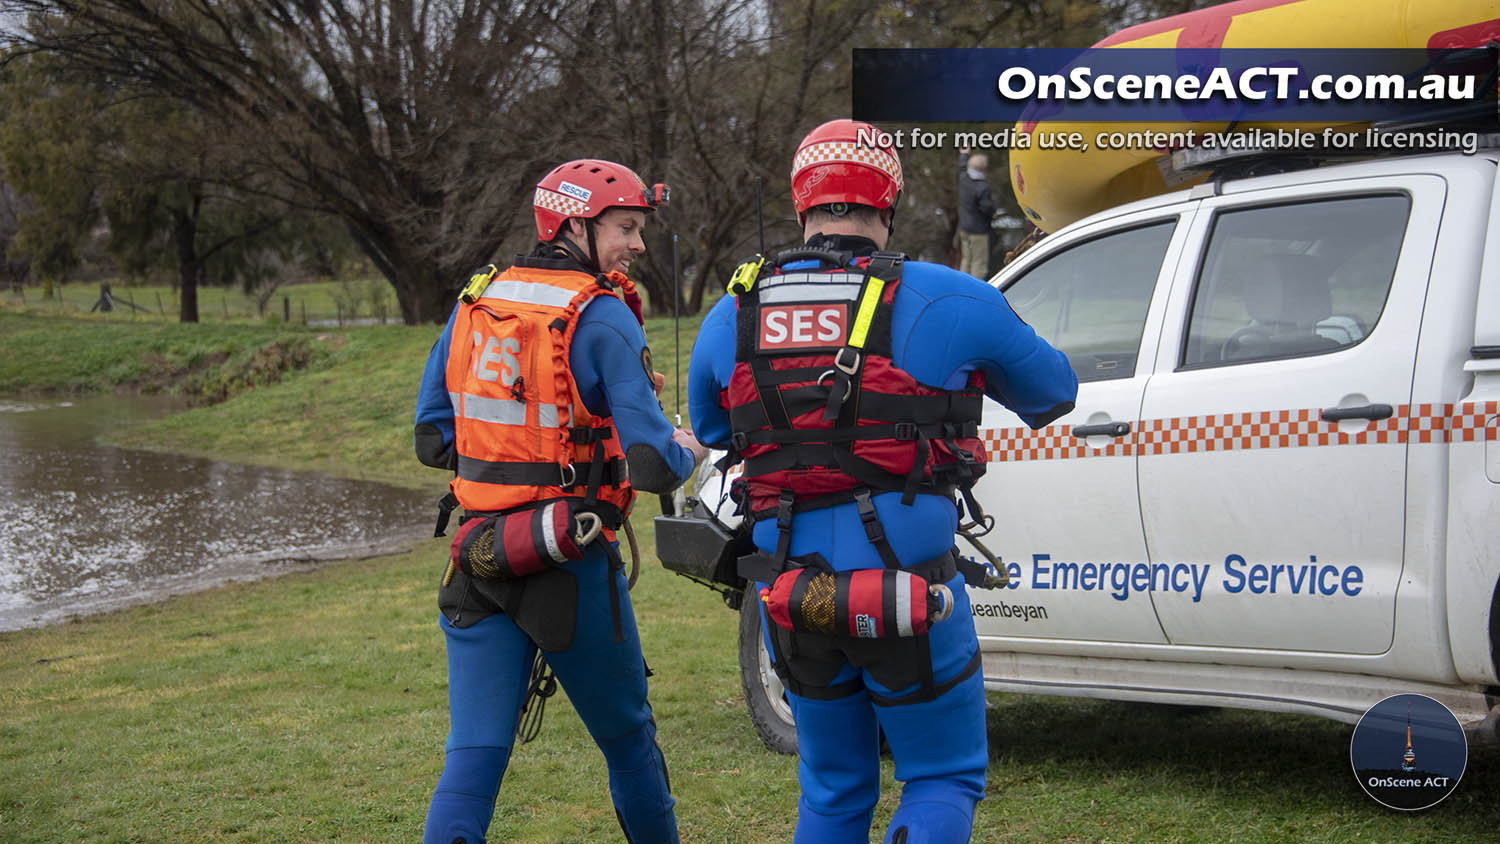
(845, 161)
(587, 188)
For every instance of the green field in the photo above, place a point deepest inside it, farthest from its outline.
(312, 707)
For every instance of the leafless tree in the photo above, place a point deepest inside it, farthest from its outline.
(418, 124)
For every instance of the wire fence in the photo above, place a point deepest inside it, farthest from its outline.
(366, 302)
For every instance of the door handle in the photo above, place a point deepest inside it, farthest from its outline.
(1108, 429)
(1365, 411)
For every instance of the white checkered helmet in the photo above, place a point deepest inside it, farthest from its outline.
(845, 162)
(587, 188)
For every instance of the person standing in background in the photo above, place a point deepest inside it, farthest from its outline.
(975, 208)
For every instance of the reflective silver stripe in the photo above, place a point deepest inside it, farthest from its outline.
(549, 533)
(499, 411)
(529, 293)
(809, 287)
(502, 411)
(903, 603)
(453, 400)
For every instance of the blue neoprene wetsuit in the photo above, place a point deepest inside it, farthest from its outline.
(945, 324)
(490, 659)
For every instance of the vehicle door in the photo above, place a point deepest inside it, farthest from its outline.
(1067, 521)
(1272, 442)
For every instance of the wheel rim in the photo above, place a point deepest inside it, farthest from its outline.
(771, 684)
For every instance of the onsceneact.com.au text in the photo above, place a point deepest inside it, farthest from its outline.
(1252, 83)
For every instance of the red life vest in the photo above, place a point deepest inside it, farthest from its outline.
(817, 406)
(521, 429)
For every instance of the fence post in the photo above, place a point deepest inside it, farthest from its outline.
(286, 309)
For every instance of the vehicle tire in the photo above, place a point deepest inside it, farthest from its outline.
(764, 695)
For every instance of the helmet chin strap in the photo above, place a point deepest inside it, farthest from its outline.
(588, 225)
(589, 261)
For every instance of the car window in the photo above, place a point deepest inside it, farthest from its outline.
(1089, 301)
(1294, 280)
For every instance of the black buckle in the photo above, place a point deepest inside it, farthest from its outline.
(784, 510)
(446, 505)
(867, 515)
(739, 440)
(846, 368)
(906, 431)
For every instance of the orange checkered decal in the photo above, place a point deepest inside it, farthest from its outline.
(850, 152)
(1421, 423)
(559, 202)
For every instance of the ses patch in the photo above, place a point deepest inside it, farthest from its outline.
(809, 325)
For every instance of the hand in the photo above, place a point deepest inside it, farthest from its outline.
(658, 382)
(690, 442)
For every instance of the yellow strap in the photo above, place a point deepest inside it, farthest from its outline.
(867, 302)
(746, 275)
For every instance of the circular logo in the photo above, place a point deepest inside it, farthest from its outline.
(1408, 752)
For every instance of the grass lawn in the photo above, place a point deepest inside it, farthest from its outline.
(312, 707)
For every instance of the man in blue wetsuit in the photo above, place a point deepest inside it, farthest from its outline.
(538, 395)
(850, 381)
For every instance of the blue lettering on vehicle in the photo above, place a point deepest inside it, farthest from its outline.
(1121, 580)
(1309, 578)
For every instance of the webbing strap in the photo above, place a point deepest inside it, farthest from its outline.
(446, 505)
(615, 564)
(874, 531)
(900, 431)
(784, 526)
(929, 690)
(848, 362)
(914, 477)
(511, 473)
(596, 475)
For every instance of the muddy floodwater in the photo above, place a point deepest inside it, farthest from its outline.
(86, 527)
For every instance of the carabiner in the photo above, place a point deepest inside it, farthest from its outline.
(944, 596)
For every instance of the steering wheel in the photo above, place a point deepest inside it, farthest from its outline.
(1243, 336)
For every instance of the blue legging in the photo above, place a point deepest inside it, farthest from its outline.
(489, 665)
(939, 748)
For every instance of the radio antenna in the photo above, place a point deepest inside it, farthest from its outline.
(676, 333)
(760, 216)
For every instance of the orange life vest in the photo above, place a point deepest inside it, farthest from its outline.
(521, 430)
